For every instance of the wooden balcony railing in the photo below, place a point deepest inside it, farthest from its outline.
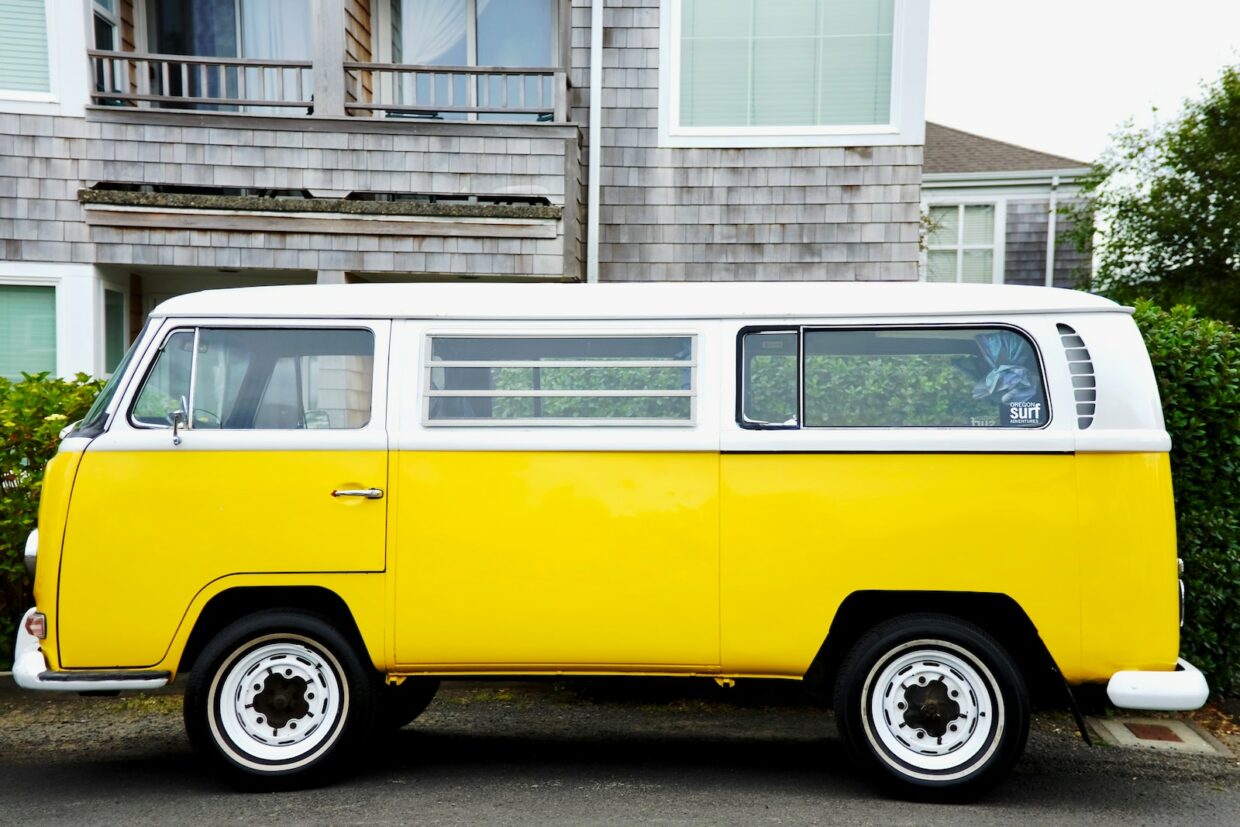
(190, 82)
(456, 91)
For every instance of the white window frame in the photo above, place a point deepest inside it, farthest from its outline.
(77, 309)
(908, 95)
(69, 34)
(997, 241)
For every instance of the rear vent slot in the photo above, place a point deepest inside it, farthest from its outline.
(1081, 367)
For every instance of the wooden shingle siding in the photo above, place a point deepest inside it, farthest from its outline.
(357, 47)
(45, 160)
(732, 214)
(1025, 252)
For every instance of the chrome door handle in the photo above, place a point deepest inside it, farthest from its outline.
(368, 493)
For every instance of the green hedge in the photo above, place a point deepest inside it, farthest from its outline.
(1197, 362)
(32, 414)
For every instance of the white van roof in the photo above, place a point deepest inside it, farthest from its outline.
(659, 300)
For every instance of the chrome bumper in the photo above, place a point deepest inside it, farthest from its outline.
(30, 671)
(1182, 689)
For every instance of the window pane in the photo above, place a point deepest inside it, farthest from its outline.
(431, 32)
(979, 224)
(515, 33)
(941, 265)
(770, 378)
(855, 80)
(783, 92)
(717, 18)
(858, 17)
(166, 388)
(23, 43)
(977, 267)
(714, 83)
(571, 377)
(283, 379)
(945, 230)
(113, 329)
(963, 377)
(27, 330)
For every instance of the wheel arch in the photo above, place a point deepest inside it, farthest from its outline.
(240, 601)
(1000, 615)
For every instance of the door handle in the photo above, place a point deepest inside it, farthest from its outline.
(368, 493)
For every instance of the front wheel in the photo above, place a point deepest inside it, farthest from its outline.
(277, 699)
(934, 706)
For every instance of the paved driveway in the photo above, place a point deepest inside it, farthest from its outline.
(605, 752)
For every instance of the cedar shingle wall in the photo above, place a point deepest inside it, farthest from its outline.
(732, 214)
(357, 42)
(44, 160)
(1025, 253)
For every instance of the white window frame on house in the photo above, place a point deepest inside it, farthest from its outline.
(68, 74)
(906, 126)
(79, 310)
(997, 242)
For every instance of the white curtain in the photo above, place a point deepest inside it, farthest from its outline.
(277, 29)
(432, 27)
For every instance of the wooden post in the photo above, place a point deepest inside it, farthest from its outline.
(328, 57)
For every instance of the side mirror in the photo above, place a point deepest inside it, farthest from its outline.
(178, 422)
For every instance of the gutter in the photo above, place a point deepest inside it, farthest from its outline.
(593, 191)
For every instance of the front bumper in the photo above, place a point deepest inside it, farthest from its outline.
(1179, 690)
(30, 671)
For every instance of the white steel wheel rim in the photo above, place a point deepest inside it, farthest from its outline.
(242, 700)
(924, 675)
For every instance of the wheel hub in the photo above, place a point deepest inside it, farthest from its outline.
(282, 699)
(930, 708)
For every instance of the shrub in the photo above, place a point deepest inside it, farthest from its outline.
(32, 414)
(1197, 363)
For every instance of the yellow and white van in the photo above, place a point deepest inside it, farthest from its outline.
(933, 501)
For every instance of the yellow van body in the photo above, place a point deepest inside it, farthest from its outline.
(709, 548)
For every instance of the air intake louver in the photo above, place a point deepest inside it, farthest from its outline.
(1084, 388)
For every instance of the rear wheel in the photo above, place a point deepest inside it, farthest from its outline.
(934, 706)
(278, 699)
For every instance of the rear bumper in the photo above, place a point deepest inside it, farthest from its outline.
(1182, 689)
(30, 671)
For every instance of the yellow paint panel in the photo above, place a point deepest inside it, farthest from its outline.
(1129, 572)
(148, 530)
(803, 531)
(53, 508)
(557, 559)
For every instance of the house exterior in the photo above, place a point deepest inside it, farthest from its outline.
(996, 212)
(154, 147)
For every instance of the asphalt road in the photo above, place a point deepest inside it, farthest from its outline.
(599, 753)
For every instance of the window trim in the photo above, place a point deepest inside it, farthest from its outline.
(802, 329)
(997, 245)
(693, 394)
(161, 338)
(910, 37)
(40, 100)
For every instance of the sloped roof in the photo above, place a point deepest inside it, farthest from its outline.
(955, 151)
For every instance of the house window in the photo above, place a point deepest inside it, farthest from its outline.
(560, 380)
(960, 246)
(793, 63)
(106, 24)
(470, 33)
(114, 338)
(792, 73)
(23, 43)
(27, 330)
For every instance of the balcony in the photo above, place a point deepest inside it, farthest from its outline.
(266, 59)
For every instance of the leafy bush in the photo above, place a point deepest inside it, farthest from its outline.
(32, 414)
(1197, 362)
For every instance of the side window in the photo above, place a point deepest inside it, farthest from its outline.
(547, 380)
(769, 378)
(262, 379)
(971, 377)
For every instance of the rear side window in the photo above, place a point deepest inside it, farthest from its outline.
(260, 379)
(559, 380)
(958, 377)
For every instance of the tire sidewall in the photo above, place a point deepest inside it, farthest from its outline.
(1004, 740)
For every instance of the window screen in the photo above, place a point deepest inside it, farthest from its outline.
(973, 377)
(549, 380)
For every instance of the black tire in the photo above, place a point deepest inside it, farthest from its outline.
(400, 704)
(291, 672)
(933, 707)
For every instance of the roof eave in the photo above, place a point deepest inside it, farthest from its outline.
(1021, 177)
